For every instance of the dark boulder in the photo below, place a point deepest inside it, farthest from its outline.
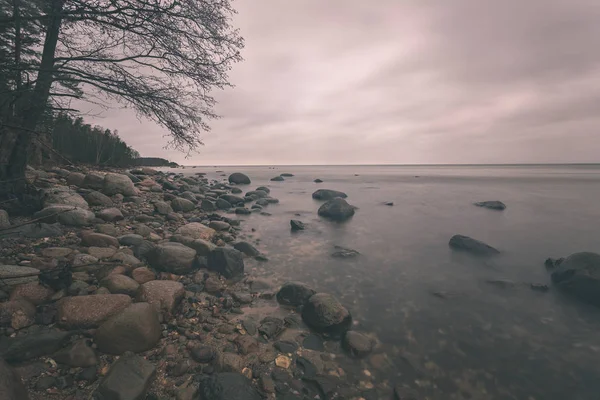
(357, 344)
(11, 387)
(336, 209)
(492, 205)
(470, 245)
(242, 211)
(324, 313)
(294, 294)
(173, 257)
(246, 248)
(259, 194)
(239, 179)
(328, 194)
(264, 189)
(278, 179)
(23, 348)
(579, 275)
(318, 180)
(223, 204)
(227, 386)
(227, 262)
(297, 225)
(129, 378)
(232, 199)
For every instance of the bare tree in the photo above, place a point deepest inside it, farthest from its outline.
(159, 57)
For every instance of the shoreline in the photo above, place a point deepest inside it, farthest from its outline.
(142, 283)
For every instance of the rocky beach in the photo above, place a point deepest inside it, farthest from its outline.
(144, 285)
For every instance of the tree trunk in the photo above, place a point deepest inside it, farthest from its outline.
(16, 142)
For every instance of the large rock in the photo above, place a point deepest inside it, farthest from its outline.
(110, 214)
(79, 354)
(96, 198)
(33, 292)
(36, 230)
(246, 248)
(324, 313)
(173, 257)
(208, 206)
(222, 204)
(4, 219)
(120, 284)
(65, 197)
(239, 179)
(92, 239)
(336, 209)
(118, 184)
(142, 275)
(470, 245)
(181, 204)
(294, 294)
(93, 181)
(228, 386)
(163, 208)
(259, 194)
(492, 205)
(232, 199)
(328, 194)
(219, 225)
(89, 311)
(196, 230)
(66, 215)
(11, 386)
(357, 344)
(12, 275)
(33, 345)
(131, 239)
(579, 275)
(127, 379)
(17, 314)
(165, 296)
(137, 329)
(75, 179)
(278, 178)
(202, 247)
(227, 262)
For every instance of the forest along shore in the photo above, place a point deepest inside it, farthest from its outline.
(136, 285)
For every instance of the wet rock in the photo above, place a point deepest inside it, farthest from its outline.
(222, 204)
(142, 275)
(33, 345)
(243, 298)
(33, 292)
(336, 209)
(89, 311)
(501, 283)
(246, 344)
(129, 378)
(11, 386)
(278, 178)
(92, 239)
(239, 179)
(173, 257)
(342, 252)
(297, 225)
(258, 193)
(579, 275)
(328, 194)
(246, 248)
(165, 296)
(203, 354)
(17, 314)
(492, 205)
(233, 200)
(135, 329)
(403, 393)
(98, 199)
(552, 263)
(202, 247)
(130, 239)
(294, 294)
(213, 285)
(285, 346)
(219, 225)
(163, 208)
(262, 202)
(227, 262)
(388, 203)
(181, 204)
(271, 327)
(357, 344)
(93, 181)
(324, 313)
(107, 229)
(318, 180)
(229, 362)
(250, 326)
(196, 230)
(144, 250)
(242, 211)
(120, 284)
(12, 275)
(208, 206)
(470, 245)
(79, 354)
(118, 184)
(110, 214)
(313, 342)
(228, 386)
(56, 252)
(283, 362)
(125, 258)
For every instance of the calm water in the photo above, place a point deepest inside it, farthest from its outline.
(482, 341)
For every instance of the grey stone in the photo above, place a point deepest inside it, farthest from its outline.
(4, 220)
(208, 206)
(470, 245)
(357, 344)
(196, 230)
(165, 296)
(246, 248)
(228, 386)
(297, 225)
(324, 313)
(128, 379)
(222, 204)
(120, 284)
(13, 275)
(118, 184)
(173, 257)
(294, 294)
(92, 239)
(239, 179)
(219, 225)
(96, 198)
(163, 208)
(227, 262)
(79, 354)
(110, 214)
(336, 209)
(63, 196)
(75, 179)
(89, 311)
(130, 239)
(33, 345)
(579, 275)
(278, 178)
(181, 204)
(11, 386)
(202, 247)
(492, 205)
(93, 181)
(328, 194)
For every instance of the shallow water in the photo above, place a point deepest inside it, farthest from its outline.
(477, 341)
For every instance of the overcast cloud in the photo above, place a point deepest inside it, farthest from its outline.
(403, 81)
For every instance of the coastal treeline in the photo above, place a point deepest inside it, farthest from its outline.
(161, 59)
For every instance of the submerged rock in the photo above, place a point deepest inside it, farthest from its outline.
(239, 179)
(33, 345)
(318, 180)
(297, 225)
(129, 378)
(342, 252)
(336, 209)
(328, 194)
(470, 245)
(324, 313)
(357, 344)
(228, 386)
(552, 263)
(278, 179)
(196, 230)
(491, 204)
(11, 387)
(579, 275)
(246, 248)
(294, 294)
(227, 262)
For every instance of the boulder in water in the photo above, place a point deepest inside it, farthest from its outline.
(227, 262)
(470, 245)
(492, 205)
(294, 294)
(297, 225)
(328, 194)
(325, 314)
(336, 209)
(228, 386)
(579, 275)
(239, 179)
(278, 178)
(128, 378)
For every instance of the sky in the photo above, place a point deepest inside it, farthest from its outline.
(401, 82)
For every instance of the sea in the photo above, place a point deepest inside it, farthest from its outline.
(448, 325)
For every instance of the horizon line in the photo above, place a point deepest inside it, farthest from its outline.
(386, 165)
